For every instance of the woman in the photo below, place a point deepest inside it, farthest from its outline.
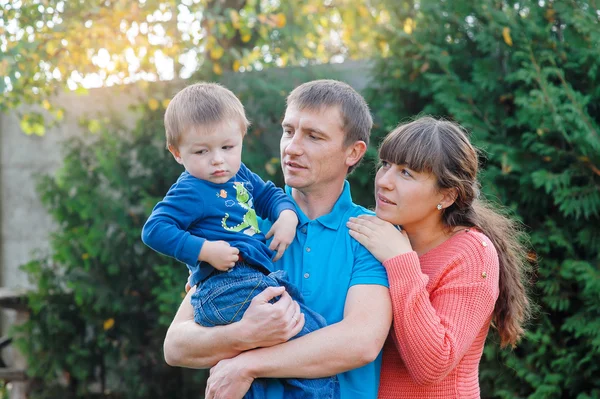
(455, 266)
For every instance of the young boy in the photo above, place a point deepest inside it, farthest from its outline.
(208, 219)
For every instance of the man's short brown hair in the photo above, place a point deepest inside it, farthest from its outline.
(201, 105)
(356, 117)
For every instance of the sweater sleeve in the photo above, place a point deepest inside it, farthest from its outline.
(433, 332)
(269, 200)
(165, 231)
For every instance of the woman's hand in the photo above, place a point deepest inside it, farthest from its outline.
(381, 238)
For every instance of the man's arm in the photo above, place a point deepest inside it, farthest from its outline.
(353, 342)
(188, 344)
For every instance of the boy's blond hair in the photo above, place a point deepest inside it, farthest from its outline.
(201, 105)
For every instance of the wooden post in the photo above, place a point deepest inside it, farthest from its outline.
(15, 300)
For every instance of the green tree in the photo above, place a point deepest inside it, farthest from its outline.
(523, 77)
(47, 46)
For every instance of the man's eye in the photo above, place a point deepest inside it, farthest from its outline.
(227, 147)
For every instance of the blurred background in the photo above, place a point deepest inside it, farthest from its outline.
(84, 87)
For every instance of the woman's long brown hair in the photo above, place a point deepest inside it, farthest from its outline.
(443, 148)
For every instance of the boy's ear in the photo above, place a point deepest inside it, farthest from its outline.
(175, 152)
(355, 152)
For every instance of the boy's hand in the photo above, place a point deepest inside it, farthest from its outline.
(219, 254)
(283, 232)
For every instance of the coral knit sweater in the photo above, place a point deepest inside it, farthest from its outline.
(442, 303)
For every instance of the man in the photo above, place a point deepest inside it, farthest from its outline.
(326, 130)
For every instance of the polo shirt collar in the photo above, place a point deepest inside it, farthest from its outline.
(333, 219)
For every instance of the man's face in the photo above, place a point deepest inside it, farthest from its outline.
(312, 149)
(213, 154)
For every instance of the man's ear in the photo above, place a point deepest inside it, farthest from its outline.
(449, 196)
(355, 152)
(175, 152)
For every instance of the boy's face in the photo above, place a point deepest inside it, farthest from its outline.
(213, 154)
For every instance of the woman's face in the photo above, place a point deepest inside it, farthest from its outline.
(406, 197)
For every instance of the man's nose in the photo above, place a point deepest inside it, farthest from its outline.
(293, 146)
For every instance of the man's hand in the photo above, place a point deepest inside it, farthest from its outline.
(228, 379)
(267, 324)
(219, 254)
(283, 232)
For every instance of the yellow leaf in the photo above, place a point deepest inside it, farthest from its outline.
(60, 114)
(246, 37)
(283, 60)
(236, 65)
(94, 126)
(50, 48)
(216, 53)
(324, 22)
(165, 103)
(217, 69)
(506, 36)
(38, 129)
(363, 11)
(280, 20)
(153, 104)
(307, 53)
(85, 256)
(271, 170)
(235, 19)
(109, 323)
(384, 47)
(309, 9)
(384, 17)
(408, 26)
(46, 104)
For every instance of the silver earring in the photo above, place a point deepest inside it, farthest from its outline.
(439, 207)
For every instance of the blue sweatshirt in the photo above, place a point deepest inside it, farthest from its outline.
(195, 210)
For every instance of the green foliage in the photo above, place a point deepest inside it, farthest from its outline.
(103, 300)
(95, 325)
(51, 45)
(523, 78)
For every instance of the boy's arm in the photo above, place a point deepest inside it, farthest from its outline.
(165, 229)
(269, 200)
(188, 344)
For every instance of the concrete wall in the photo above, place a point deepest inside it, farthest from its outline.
(24, 223)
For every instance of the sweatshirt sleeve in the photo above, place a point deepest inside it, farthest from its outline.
(433, 332)
(165, 231)
(269, 200)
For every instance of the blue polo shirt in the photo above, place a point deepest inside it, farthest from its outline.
(324, 262)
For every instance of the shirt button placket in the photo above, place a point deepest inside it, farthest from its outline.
(306, 267)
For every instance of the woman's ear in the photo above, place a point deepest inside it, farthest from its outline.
(449, 197)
